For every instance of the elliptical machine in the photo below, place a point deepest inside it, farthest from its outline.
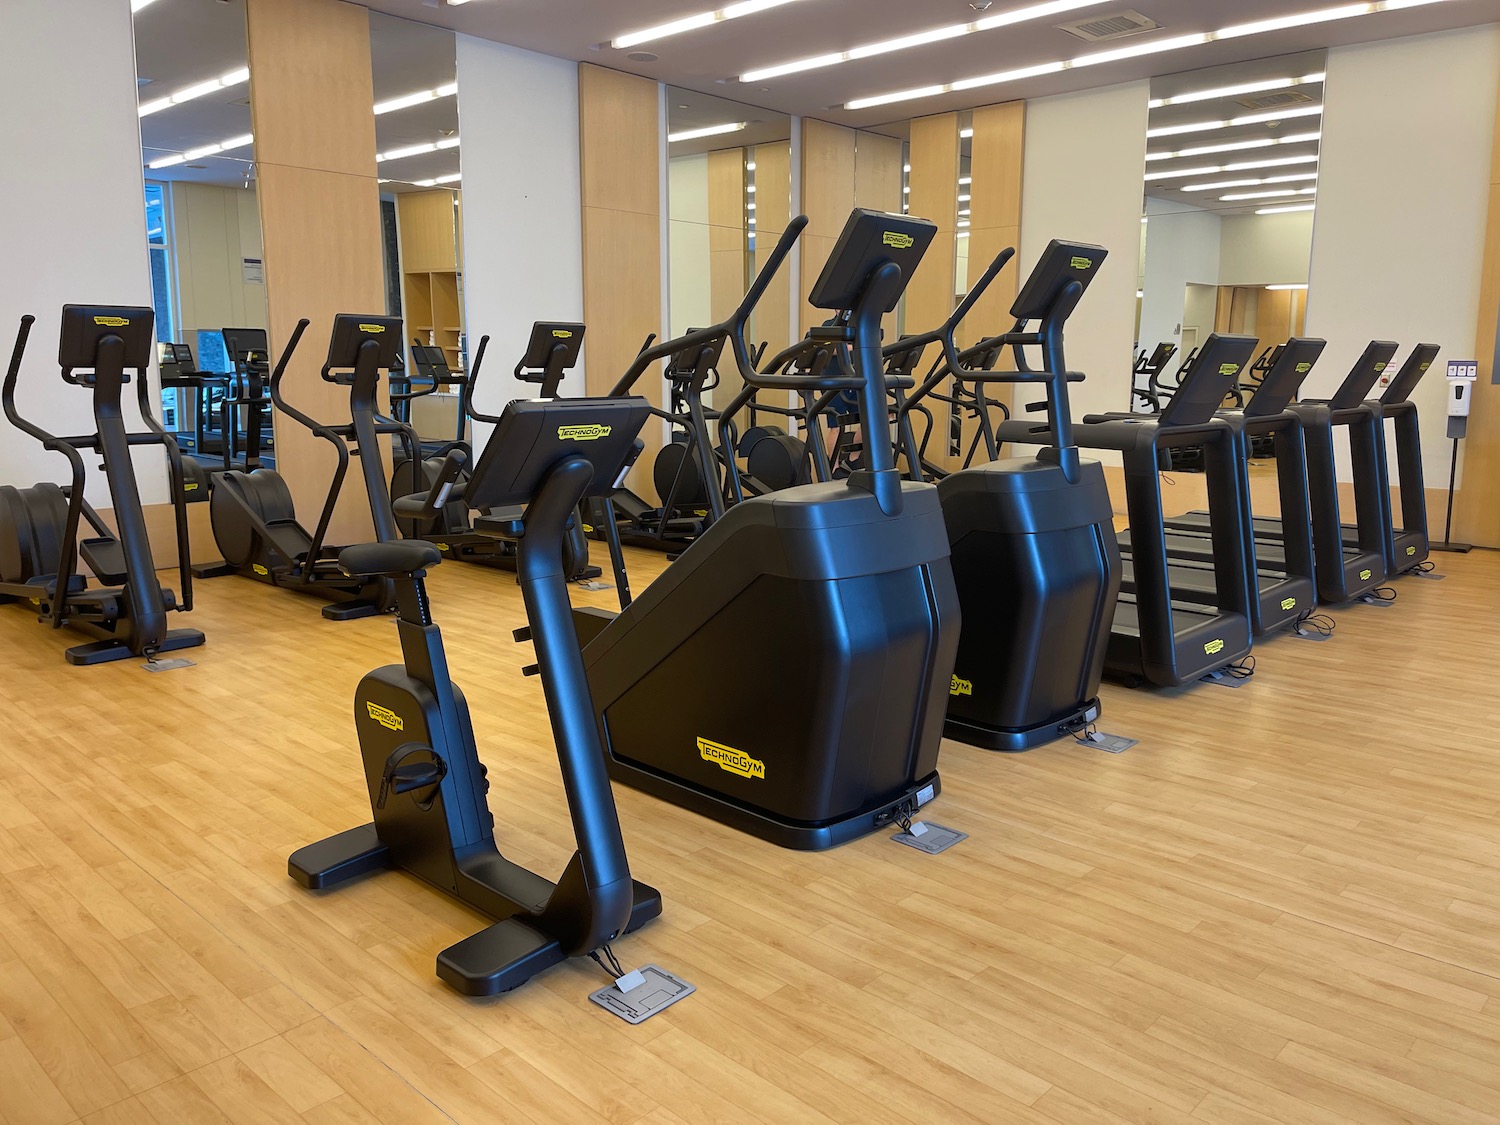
(551, 352)
(427, 786)
(254, 519)
(101, 348)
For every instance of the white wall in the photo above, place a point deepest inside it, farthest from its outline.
(1265, 249)
(1402, 197)
(213, 230)
(1083, 180)
(523, 233)
(1182, 248)
(688, 245)
(73, 223)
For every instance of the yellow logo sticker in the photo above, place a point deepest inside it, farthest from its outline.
(730, 760)
(897, 239)
(1411, 550)
(1213, 647)
(259, 569)
(1229, 368)
(1288, 603)
(375, 328)
(1424, 367)
(385, 717)
(1364, 576)
(1379, 367)
(562, 334)
(444, 547)
(111, 321)
(582, 433)
(961, 687)
(190, 488)
(1081, 263)
(1303, 368)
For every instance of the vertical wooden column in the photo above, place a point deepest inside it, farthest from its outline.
(311, 102)
(619, 121)
(773, 211)
(827, 197)
(877, 185)
(1476, 516)
(727, 247)
(934, 195)
(997, 152)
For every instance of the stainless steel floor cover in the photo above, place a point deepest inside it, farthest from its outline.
(935, 839)
(659, 990)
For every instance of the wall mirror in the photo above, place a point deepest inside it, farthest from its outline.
(729, 179)
(1230, 197)
(202, 220)
(414, 68)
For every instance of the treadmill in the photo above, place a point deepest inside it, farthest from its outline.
(1161, 634)
(1407, 545)
(1344, 571)
(1282, 574)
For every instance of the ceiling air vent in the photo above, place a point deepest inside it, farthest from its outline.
(1276, 99)
(1101, 29)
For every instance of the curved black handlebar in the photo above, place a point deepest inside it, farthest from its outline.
(943, 334)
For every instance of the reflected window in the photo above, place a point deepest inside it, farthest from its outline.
(159, 249)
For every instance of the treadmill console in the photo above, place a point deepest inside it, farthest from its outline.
(246, 346)
(1363, 376)
(1213, 375)
(84, 326)
(1412, 370)
(1059, 264)
(870, 239)
(1292, 362)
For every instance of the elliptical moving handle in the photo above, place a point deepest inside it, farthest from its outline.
(945, 331)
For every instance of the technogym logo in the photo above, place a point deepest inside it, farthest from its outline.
(898, 240)
(1081, 263)
(1379, 367)
(385, 717)
(1213, 647)
(1229, 369)
(582, 433)
(1303, 368)
(730, 760)
(961, 687)
(111, 321)
(562, 334)
(376, 329)
(1288, 603)
(1364, 575)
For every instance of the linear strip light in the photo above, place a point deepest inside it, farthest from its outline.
(418, 98)
(1236, 146)
(197, 90)
(917, 39)
(692, 23)
(1285, 288)
(1234, 122)
(1235, 91)
(205, 150)
(416, 150)
(1241, 166)
(1283, 193)
(1287, 210)
(436, 181)
(137, 5)
(1236, 31)
(707, 131)
(1225, 185)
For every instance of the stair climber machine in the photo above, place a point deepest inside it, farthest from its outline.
(1157, 637)
(1282, 574)
(428, 788)
(101, 349)
(254, 520)
(1033, 541)
(1350, 561)
(551, 352)
(788, 674)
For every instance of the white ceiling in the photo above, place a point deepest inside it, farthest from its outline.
(711, 58)
(183, 42)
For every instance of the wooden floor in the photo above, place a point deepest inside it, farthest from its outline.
(1282, 906)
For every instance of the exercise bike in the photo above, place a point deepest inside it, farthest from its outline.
(427, 785)
(254, 519)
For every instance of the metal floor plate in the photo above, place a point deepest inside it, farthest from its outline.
(660, 989)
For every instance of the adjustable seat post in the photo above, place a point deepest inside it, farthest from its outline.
(412, 605)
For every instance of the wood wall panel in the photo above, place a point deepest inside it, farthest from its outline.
(320, 217)
(828, 169)
(1476, 508)
(727, 248)
(619, 127)
(771, 322)
(997, 152)
(429, 233)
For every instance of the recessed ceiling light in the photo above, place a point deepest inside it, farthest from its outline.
(917, 39)
(196, 90)
(1157, 46)
(706, 131)
(1287, 210)
(692, 23)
